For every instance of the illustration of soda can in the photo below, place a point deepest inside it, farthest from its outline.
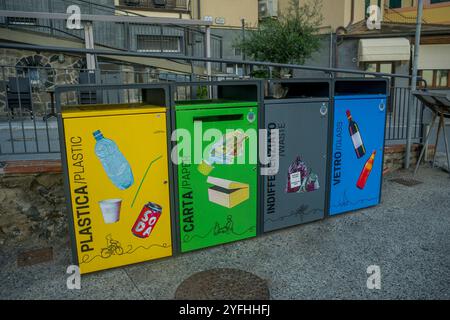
(147, 220)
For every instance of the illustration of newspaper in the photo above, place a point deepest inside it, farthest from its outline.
(230, 146)
(227, 193)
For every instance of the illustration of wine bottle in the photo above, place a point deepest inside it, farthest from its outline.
(356, 136)
(361, 184)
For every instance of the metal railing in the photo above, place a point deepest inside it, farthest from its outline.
(28, 123)
(172, 5)
(397, 118)
(393, 15)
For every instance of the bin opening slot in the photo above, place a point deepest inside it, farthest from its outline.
(304, 90)
(154, 96)
(220, 118)
(358, 87)
(240, 92)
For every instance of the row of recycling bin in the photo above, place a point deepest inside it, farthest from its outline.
(138, 190)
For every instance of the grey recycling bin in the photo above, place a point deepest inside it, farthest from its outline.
(297, 193)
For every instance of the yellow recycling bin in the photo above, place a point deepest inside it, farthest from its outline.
(117, 174)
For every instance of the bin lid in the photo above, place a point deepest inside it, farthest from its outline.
(97, 110)
(271, 100)
(212, 104)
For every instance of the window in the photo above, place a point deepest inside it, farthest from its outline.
(231, 68)
(237, 52)
(427, 75)
(395, 4)
(371, 67)
(436, 78)
(35, 76)
(38, 76)
(150, 43)
(384, 67)
(439, 1)
(22, 21)
(442, 78)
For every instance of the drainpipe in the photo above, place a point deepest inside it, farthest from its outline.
(339, 30)
(199, 14)
(352, 13)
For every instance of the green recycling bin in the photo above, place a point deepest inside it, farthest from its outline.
(217, 168)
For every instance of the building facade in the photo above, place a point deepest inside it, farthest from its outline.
(353, 45)
(387, 49)
(227, 22)
(230, 19)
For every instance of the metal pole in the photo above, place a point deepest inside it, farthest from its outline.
(89, 43)
(243, 53)
(331, 49)
(414, 82)
(50, 9)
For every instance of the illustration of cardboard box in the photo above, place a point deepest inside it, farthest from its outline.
(227, 193)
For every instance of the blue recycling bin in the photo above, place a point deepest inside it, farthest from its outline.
(358, 144)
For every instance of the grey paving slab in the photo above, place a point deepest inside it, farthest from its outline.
(407, 236)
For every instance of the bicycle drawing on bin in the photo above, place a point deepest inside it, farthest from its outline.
(113, 248)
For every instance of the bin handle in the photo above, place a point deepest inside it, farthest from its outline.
(323, 109)
(382, 106)
(220, 118)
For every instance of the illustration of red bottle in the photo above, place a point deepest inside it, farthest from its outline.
(361, 184)
(356, 136)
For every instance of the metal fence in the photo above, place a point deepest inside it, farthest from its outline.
(28, 124)
(397, 117)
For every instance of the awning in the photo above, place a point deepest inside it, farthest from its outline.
(385, 49)
(434, 57)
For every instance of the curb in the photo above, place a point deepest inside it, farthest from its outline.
(30, 167)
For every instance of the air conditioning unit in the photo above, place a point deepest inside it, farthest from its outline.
(268, 8)
(160, 3)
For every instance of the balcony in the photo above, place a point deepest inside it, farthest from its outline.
(156, 5)
(400, 15)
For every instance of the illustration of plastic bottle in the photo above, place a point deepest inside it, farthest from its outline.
(116, 166)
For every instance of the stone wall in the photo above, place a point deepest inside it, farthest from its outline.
(32, 209)
(394, 156)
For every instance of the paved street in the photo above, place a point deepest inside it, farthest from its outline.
(407, 236)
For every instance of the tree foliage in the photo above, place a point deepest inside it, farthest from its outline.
(292, 38)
